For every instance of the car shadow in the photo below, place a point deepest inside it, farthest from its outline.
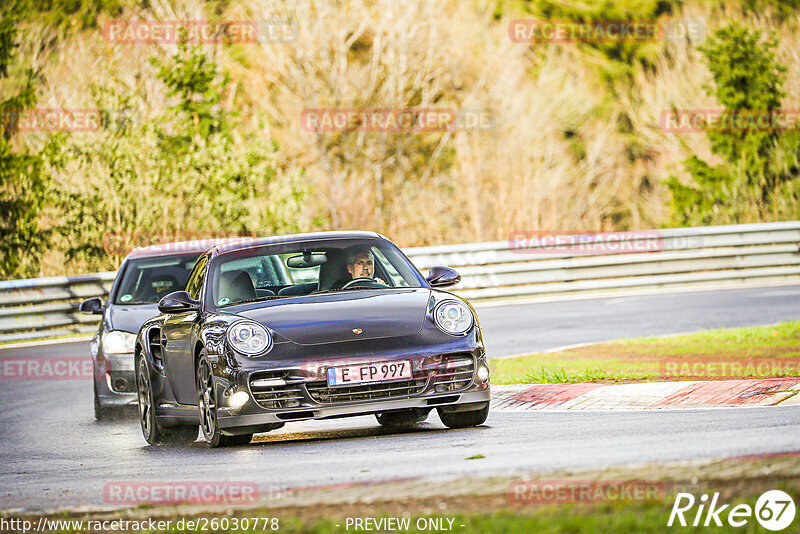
(322, 435)
(344, 433)
(123, 414)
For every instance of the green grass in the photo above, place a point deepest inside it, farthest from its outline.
(645, 358)
(609, 519)
(617, 518)
(560, 375)
(493, 508)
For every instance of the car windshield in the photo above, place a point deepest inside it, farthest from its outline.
(309, 267)
(146, 280)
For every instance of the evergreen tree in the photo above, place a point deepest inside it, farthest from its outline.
(757, 158)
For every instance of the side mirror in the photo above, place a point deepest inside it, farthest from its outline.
(176, 302)
(92, 306)
(443, 277)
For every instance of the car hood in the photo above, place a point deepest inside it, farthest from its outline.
(130, 318)
(349, 316)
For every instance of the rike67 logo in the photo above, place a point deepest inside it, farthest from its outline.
(774, 510)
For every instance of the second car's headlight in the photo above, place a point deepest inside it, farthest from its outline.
(249, 338)
(118, 342)
(453, 317)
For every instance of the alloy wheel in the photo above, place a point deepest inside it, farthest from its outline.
(208, 404)
(145, 399)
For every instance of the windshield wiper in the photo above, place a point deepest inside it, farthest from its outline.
(365, 287)
(348, 289)
(268, 297)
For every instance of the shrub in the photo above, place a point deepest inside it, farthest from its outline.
(757, 162)
(188, 170)
(23, 183)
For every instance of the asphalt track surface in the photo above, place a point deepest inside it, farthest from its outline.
(512, 329)
(54, 455)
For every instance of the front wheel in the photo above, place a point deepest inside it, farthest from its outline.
(464, 419)
(207, 404)
(152, 430)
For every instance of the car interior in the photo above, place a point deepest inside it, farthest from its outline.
(156, 282)
(268, 276)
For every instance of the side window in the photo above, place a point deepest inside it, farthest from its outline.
(397, 278)
(195, 283)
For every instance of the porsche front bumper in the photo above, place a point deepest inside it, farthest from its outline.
(449, 382)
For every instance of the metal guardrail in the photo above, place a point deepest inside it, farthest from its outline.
(685, 257)
(43, 307)
(711, 256)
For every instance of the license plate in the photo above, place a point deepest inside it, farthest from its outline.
(370, 372)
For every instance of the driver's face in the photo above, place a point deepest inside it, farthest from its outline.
(362, 266)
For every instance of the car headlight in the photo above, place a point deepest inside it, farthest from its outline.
(453, 317)
(249, 338)
(118, 342)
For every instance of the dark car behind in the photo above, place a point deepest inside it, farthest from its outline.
(144, 277)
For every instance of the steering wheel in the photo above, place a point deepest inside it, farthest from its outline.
(362, 280)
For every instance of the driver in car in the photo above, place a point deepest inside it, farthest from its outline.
(361, 264)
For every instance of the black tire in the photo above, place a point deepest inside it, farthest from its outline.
(402, 418)
(101, 413)
(152, 430)
(464, 419)
(207, 405)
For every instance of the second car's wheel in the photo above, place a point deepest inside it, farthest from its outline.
(464, 419)
(402, 418)
(207, 404)
(152, 430)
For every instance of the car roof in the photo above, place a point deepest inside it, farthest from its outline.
(182, 247)
(254, 242)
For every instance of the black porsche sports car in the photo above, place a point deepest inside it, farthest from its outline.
(308, 326)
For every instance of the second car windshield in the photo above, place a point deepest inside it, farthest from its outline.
(146, 280)
(305, 268)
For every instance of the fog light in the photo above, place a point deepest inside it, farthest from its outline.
(238, 399)
(483, 373)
